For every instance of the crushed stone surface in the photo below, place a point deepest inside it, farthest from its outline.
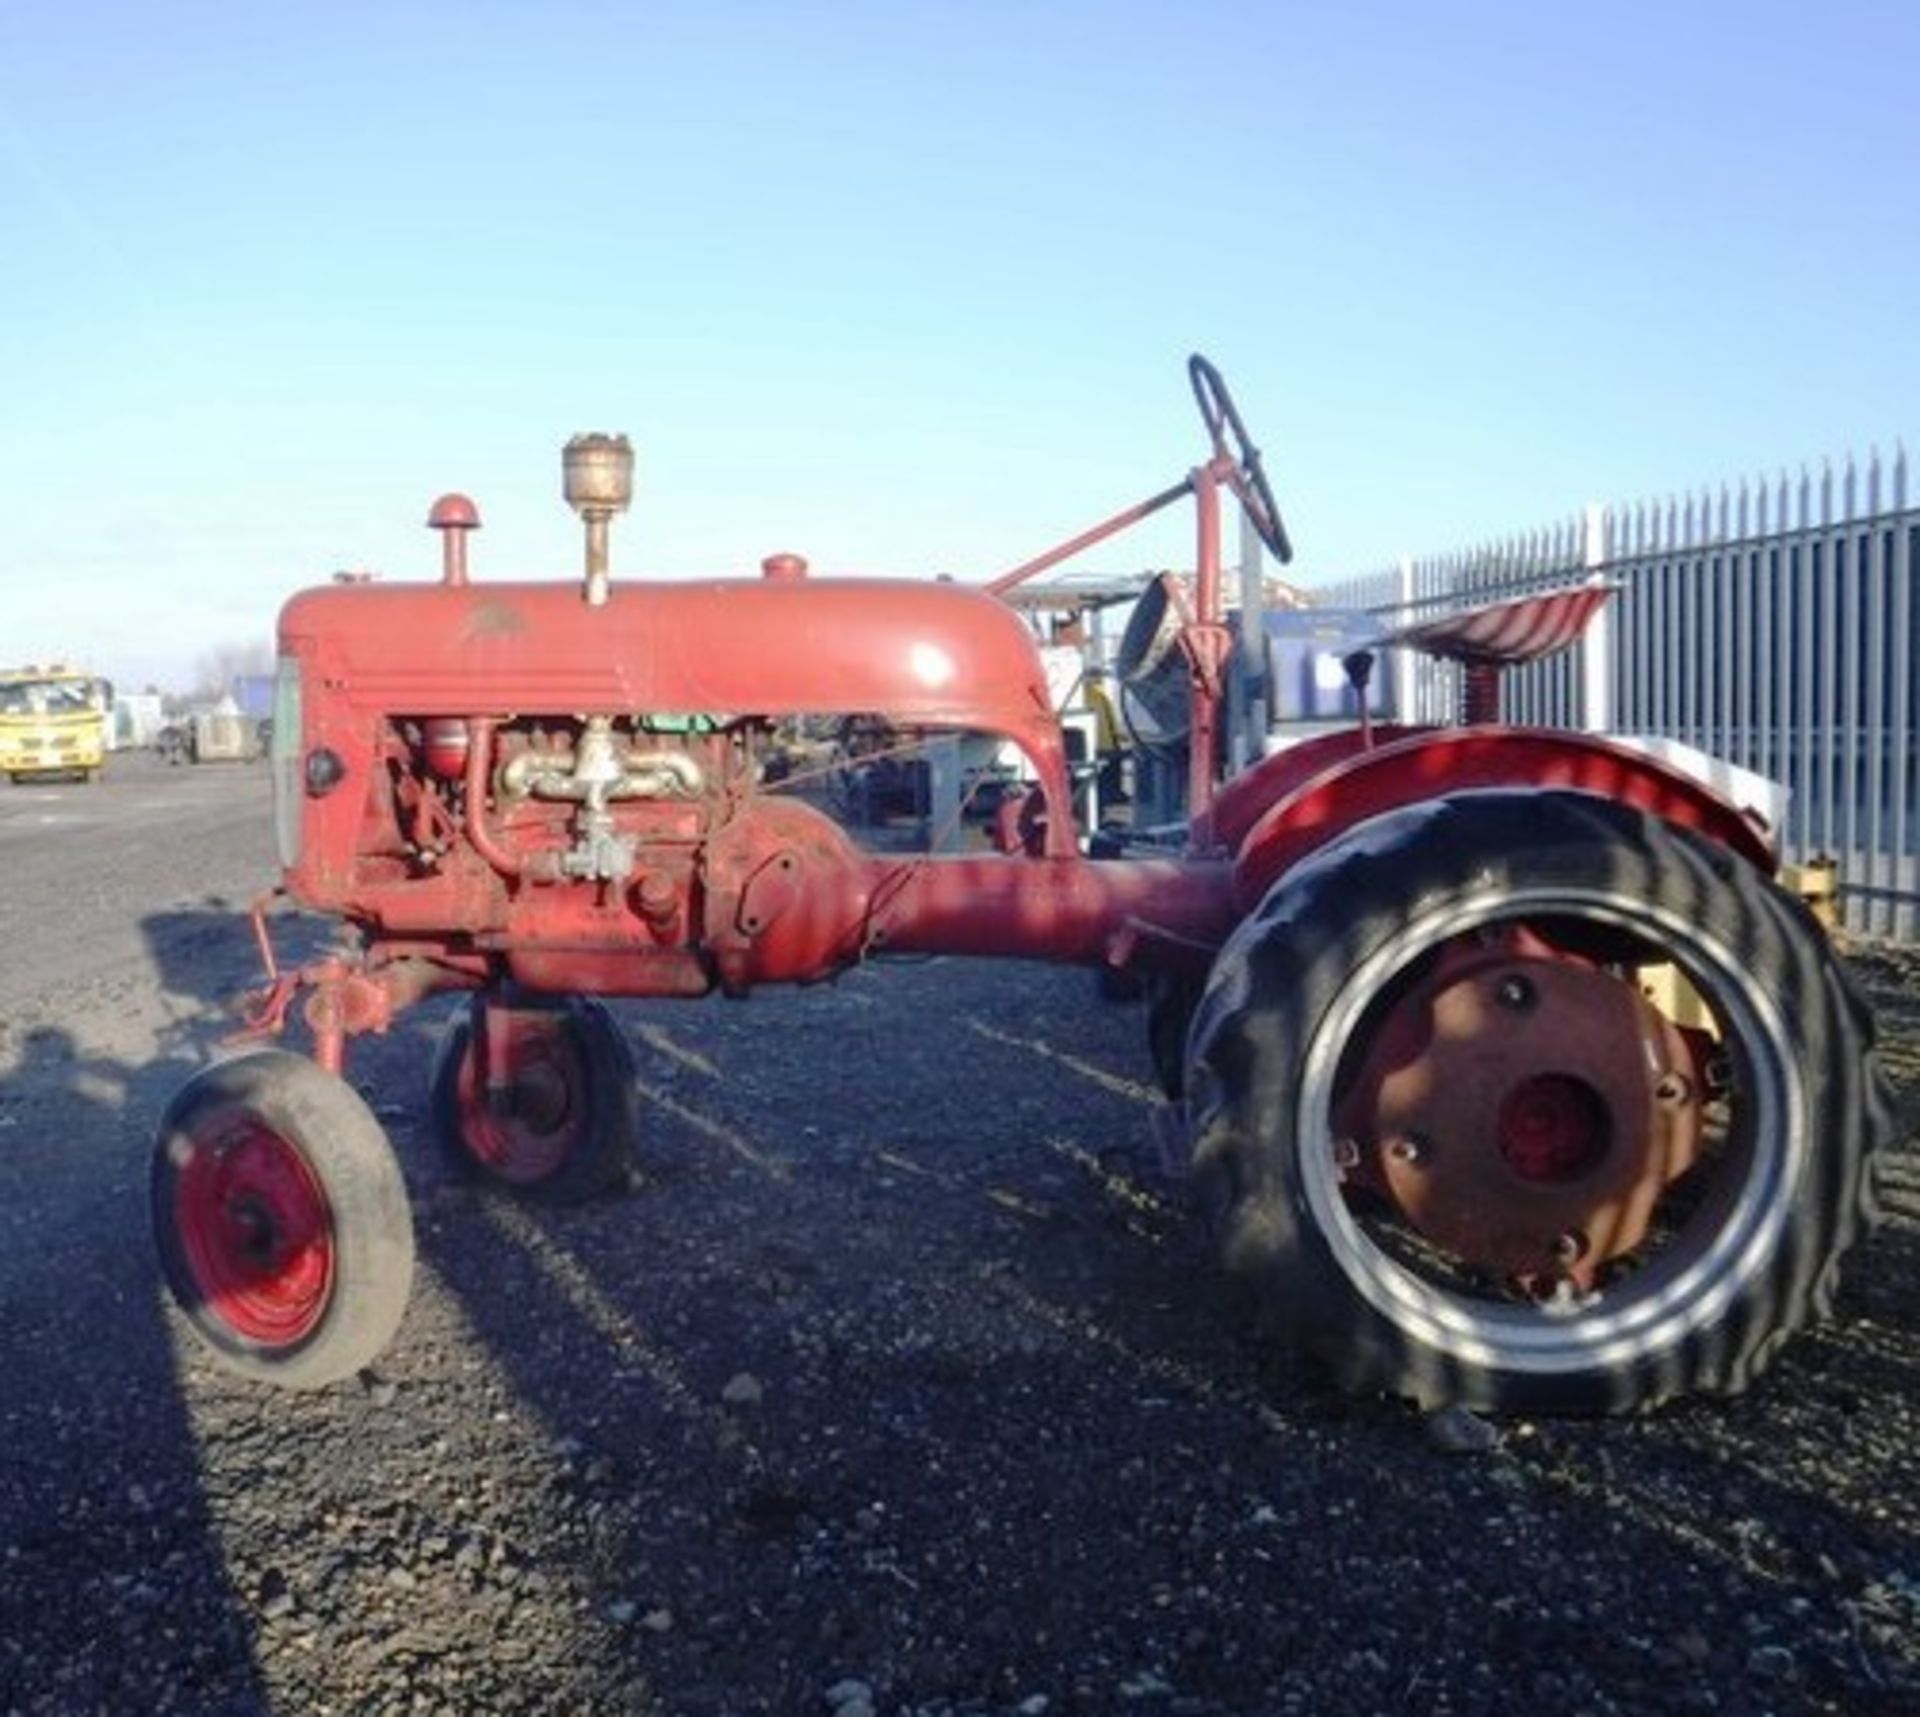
(901, 1382)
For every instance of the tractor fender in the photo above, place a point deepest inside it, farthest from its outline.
(1304, 815)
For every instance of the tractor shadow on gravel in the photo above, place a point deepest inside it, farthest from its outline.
(900, 1343)
(207, 954)
(891, 1262)
(110, 1559)
(900, 1363)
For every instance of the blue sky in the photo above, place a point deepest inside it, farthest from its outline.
(908, 287)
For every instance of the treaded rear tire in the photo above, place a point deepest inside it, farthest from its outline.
(1289, 993)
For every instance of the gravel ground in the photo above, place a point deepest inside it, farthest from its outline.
(902, 1384)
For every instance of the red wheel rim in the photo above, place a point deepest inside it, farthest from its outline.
(257, 1233)
(537, 1130)
(1510, 1105)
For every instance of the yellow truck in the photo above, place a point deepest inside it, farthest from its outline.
(53, 721)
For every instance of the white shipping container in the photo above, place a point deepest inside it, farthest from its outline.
(137, 720)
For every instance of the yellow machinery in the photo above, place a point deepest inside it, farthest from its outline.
(53, 721)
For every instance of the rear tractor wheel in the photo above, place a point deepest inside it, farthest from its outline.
(537, 1098)
(281, 1220)
(1528, 1102)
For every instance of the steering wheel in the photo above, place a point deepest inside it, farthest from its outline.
(1247, 480)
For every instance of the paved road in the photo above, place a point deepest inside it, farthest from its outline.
(903, 1372)
(85, 869)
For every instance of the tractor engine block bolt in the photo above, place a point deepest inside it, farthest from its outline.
(657, 899)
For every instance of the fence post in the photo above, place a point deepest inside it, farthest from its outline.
(1406, 665)
(1596, 646)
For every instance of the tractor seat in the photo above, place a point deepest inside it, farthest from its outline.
(1504, 634)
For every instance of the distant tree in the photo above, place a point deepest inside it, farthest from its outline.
(216, 670)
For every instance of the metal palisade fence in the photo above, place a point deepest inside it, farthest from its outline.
(1775, 627)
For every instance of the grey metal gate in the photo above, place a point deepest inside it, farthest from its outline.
(1774, 626)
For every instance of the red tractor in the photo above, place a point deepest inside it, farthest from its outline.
(1510, 1075)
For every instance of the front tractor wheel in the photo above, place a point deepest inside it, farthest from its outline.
(281, 1220)
(1528, 1102)
(539, 1099)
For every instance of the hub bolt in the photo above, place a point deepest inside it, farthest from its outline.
(1407, 1148)
(1514, 993)
(1672, 1090)
(1570, 1247)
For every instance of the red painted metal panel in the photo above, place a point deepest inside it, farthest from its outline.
(1248, 797)
(939, 654)
(1430, 765)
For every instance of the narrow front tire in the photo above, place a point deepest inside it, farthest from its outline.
(281, 1220)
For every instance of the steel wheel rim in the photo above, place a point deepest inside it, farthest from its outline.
(256, 1232)
(1685, 1289)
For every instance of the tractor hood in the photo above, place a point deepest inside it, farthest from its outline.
(921, 653)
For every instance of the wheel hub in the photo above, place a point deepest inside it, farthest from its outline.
(540, 1096)
(257, 1234)
(1552, 1128)
(1523, 1110)
(529, 1134)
